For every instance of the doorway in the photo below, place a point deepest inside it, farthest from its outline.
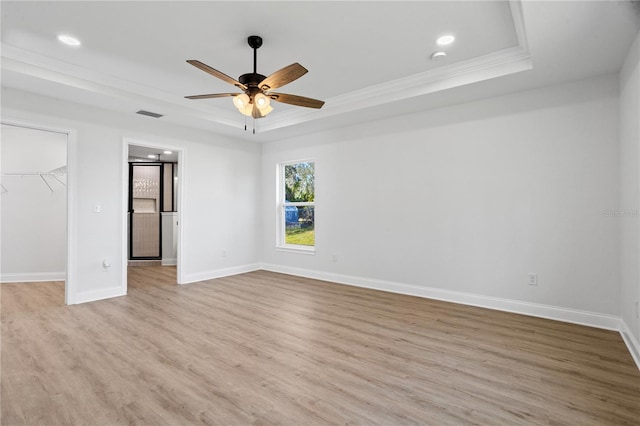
(152, 192)
(36, 198)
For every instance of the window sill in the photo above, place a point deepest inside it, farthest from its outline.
(297, 249)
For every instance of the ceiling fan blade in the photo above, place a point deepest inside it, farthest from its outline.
(283, 76)
(212, 95)
(296, 100)
(214, 72)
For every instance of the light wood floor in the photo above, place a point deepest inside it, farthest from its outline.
(263, 348)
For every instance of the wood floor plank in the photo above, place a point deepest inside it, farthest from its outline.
(264, 348)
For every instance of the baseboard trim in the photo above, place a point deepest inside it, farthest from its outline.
(93, 296)
(630, 341)
(591, 319)
(219, 273)
(33, 277)
(169, 262)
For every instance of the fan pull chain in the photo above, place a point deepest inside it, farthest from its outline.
(245, 123)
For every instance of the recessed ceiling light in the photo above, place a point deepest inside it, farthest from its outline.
(445, 40)
(168, 152)
(438, 55)
(151, 156)
(68, 40)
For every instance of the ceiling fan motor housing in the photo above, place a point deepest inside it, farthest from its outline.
(251, 79)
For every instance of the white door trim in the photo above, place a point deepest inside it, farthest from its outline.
(125, 200)
(70, 288)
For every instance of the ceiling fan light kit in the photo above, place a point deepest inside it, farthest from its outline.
(256, 100)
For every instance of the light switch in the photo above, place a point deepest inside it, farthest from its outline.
(97, 208)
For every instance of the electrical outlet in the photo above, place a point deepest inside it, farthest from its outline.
(533, 279)
(223, 253)
(334, 258)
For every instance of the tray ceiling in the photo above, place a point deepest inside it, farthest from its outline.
(362, 57)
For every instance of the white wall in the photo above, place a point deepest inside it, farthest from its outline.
(630, 189)
(469, 198)
(221, 184)
(462, 200)
(30, 210)
(169, 238)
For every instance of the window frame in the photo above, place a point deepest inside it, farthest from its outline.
(281, 205)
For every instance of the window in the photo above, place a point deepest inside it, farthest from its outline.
(297, 205)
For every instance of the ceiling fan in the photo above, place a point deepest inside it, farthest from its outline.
(255, 101)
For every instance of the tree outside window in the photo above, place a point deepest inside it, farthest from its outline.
(299, 203)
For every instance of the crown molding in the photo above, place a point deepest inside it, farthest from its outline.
(492, 65)
(518, 23)
(496, 64)
(46, 68)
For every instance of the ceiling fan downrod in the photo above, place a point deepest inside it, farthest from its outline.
(253, 80)
(255, 42)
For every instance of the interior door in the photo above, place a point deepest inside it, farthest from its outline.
(145, 187)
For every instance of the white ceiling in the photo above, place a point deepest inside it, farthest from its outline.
(367, 60)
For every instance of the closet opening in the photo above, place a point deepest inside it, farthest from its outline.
(35, 207)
